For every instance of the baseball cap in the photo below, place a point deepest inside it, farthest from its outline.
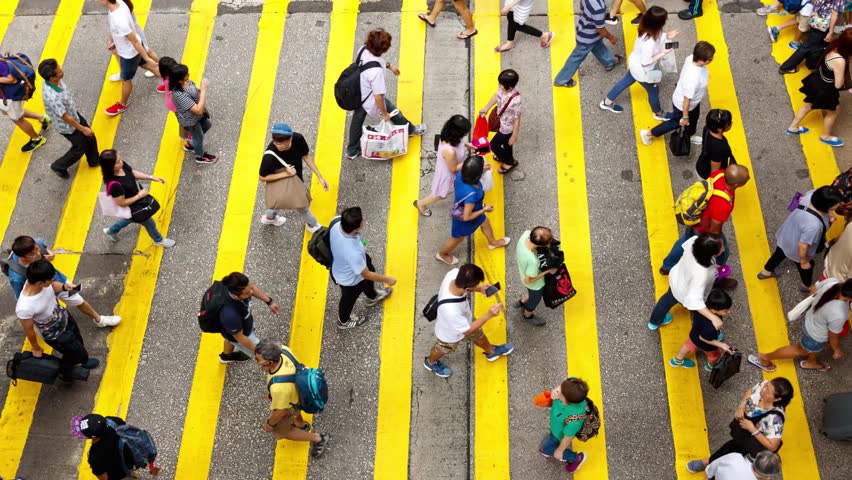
(88, 426)
(282, 129)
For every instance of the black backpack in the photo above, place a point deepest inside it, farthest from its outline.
(430, 311)
(319, 246)
(212, 302)
(347, 90)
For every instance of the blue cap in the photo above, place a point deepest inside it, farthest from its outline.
(282, 129)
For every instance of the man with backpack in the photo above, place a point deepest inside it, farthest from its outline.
(801, 11)
(17, 78)
(286, 398)
(567, 419)
(117, 448)
(716, 212)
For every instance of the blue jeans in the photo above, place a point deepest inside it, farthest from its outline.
(673, 123)
(653, 90)
(695, 8)
(677, 250)
(149, 225)
(197, 131)
(239, 346)
(664, 304)
(534, 299)
(549, 445)
(581, 51)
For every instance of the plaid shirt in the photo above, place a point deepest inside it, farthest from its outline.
(57, 104)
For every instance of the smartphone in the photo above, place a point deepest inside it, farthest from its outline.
(76, 289)
(492, 289)
(672, 45)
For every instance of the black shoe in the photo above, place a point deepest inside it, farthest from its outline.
(664, 271)
(233, 357)
(636, 20)
(788, 71)
(571, 84)
(610, 20)
(687, 15)
(618, 60)
(62, 173)
(91, 363)
(33, 144)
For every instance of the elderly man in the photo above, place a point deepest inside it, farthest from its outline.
(735, 466)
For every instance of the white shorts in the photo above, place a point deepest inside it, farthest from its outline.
(14, 109)
(70, 300)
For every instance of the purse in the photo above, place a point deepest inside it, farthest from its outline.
(288, 193)
(819, 22)
(494, 117)
(725, 368)
(144, 208)
(457, 212)
(679, 143)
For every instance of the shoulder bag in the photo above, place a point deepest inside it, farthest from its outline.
(494, 117)
(288, 193)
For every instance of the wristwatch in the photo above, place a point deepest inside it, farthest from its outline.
(270, 302)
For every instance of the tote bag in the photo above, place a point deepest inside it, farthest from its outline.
(109, 207)
(289, 193)
(679, 143)
(385, 140)
(558, 287)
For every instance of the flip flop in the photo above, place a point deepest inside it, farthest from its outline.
(422, 16)
(497, 49)
(763, 276)
(426, 212)
(825, 367)
(451, 263)
(752, 359)
(800, 131)
(505, 239)
(463, 36)
(504, 171)
(549, 39)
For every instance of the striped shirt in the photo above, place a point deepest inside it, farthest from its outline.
(592, 15)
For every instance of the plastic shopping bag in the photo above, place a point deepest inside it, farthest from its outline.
(109, 207)
(384, 141)
(668, 63)
(487, 181)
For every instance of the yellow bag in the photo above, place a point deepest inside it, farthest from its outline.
(690, 204)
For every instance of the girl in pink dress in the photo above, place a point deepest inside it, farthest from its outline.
(451, 153)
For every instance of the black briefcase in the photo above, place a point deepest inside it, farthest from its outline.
(727, 367)
(44, 369)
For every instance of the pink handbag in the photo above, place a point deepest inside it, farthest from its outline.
(109, 207)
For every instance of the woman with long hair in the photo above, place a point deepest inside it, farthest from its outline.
(452, 150)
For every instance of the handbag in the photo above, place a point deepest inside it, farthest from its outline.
(457, 211)
(725, 368)
(289, 193)
(144, 208)
(800, 309)
(653, 76)
(109, 207)
(679, 143)
(494, 117)
(558, 287)
(385, 140)
(819, 22)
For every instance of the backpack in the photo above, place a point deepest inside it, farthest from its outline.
(347, 89)
(214, 299)
(319, 246)
(430, 311)
(591, 421)
(7, 264)
(310, 383)
(21, 67)
(690, 204)
(138, 441)
(793, 6)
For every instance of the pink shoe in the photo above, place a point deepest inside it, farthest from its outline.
(116, 109)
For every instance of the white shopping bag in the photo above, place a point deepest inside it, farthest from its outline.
(109, 207)
(487, 181)
(668, 63)
(384, 141)
(800, 309)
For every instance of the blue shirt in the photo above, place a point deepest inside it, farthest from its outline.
(349, 257)
(17, 280)
(592, 16)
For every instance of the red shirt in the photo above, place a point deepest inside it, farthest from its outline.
(718, 208)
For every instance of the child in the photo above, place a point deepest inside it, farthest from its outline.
(166, 65)
(517, 12)
(568, 399)
(509, 107)
(802, 11)
(704, 335)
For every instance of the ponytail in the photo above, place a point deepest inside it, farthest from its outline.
(844, 289)
(129, 4)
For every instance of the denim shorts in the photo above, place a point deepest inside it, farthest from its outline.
(128, 66)
(809, 343)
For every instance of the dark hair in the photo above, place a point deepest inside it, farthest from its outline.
(23, 245)
(129, 3)
(456, 128)
(378, 41)
(107, 159)
(842, 44)
(469, 276)
(718, 119)
(783, 391)
(703, 52)
(718, 300)
(350, 219)
(706, 247)
(826, 197)
(508, 78)
(40, 271)
(652, 22)
(541, 236)
(281, 138)
(235, 282)
(166, 64)
(574, 390)
(844, 289)
(472, 169)
(176, 76)
(47, 68)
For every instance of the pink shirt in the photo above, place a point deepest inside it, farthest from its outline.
(169, 103)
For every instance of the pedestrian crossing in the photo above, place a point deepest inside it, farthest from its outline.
(492, 450)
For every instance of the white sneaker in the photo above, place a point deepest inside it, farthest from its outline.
(111, 236)
(277, 221)
(419, 130)
(696, 139)
(646, 137)
(149, 74)
(309, 228)
(108, 321)
(354, 321)
(383, 293)
(115, 77)
(165, 243)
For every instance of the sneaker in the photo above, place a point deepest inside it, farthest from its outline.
(499, 350)
(764, 11)
(354, 321)
(115, 77)
(317, 449)
(383, 293)
(108, 321)
(695, 466)
(91, 363)
(165, 243)
(720, 337)
(418, 130)
(773, 33)
(149, 74)
(111, 236)
(187, 147)
(572, 467)
(161, 88)
(235, 356)
(610, 20)
(685, 363)
(662, 116)
(438, 368)
(571, 84)
(34, 144)
(666, 321)
(696, 139)
(708, 367)
(645, 136)
(794, 45)
(352, 155)
(277, 221)
(206, 159)
(46, 122)
(612, 107)
(312, 228)
(637, 19)
(116, 109)
(687, 15)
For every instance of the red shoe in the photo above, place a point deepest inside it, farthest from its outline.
(116, 109)
(161, 88)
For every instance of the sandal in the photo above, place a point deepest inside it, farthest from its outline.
(305, 428)
(425, 212)
(763, 276)
(465, 36)
(798, 131)
(549, 39)
(507, 240)
(452, 262)
(752, 359)
(423, 17)
(503, 170)
(498, 49)
(824, 367)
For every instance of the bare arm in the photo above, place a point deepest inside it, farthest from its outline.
(244, 341)
(803, 255)
(139, 47)
(377, 277)
(278, 176)
(839, 68)
(8, 80)
(488, 105)
(29, 331)
(258, 294)
(449, 157)
(309, 161)
(563, 445)
(717, 322)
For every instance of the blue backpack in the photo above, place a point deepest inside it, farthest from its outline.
(793, 6)
(21, 68)
(138, 441)
(310, 383)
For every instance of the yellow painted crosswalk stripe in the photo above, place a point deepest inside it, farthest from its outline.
(125, 341)
(7, 13)
(580, 313)
(291, 458)
(202, 411)
(491, 383)
(394, 405)
(764, 301)
(686, 403)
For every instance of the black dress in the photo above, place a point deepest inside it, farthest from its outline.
(819, 88)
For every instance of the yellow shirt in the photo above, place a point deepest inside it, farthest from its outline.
(284, 395)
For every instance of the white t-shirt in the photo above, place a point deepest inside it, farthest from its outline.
(832, 316)
(453, 318)
(732, 466)
(122, 22)
(521, 11)
(644, 50)
(38, 307)
(692, 84)
(372, 82)
(689, 280)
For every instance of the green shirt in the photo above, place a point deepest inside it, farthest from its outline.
(528, 263)
(558, 412)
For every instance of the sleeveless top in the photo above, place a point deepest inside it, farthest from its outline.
(825, 72)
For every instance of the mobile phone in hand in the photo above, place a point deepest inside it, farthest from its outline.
(670, 45)
(490, 291)
(76, 289)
